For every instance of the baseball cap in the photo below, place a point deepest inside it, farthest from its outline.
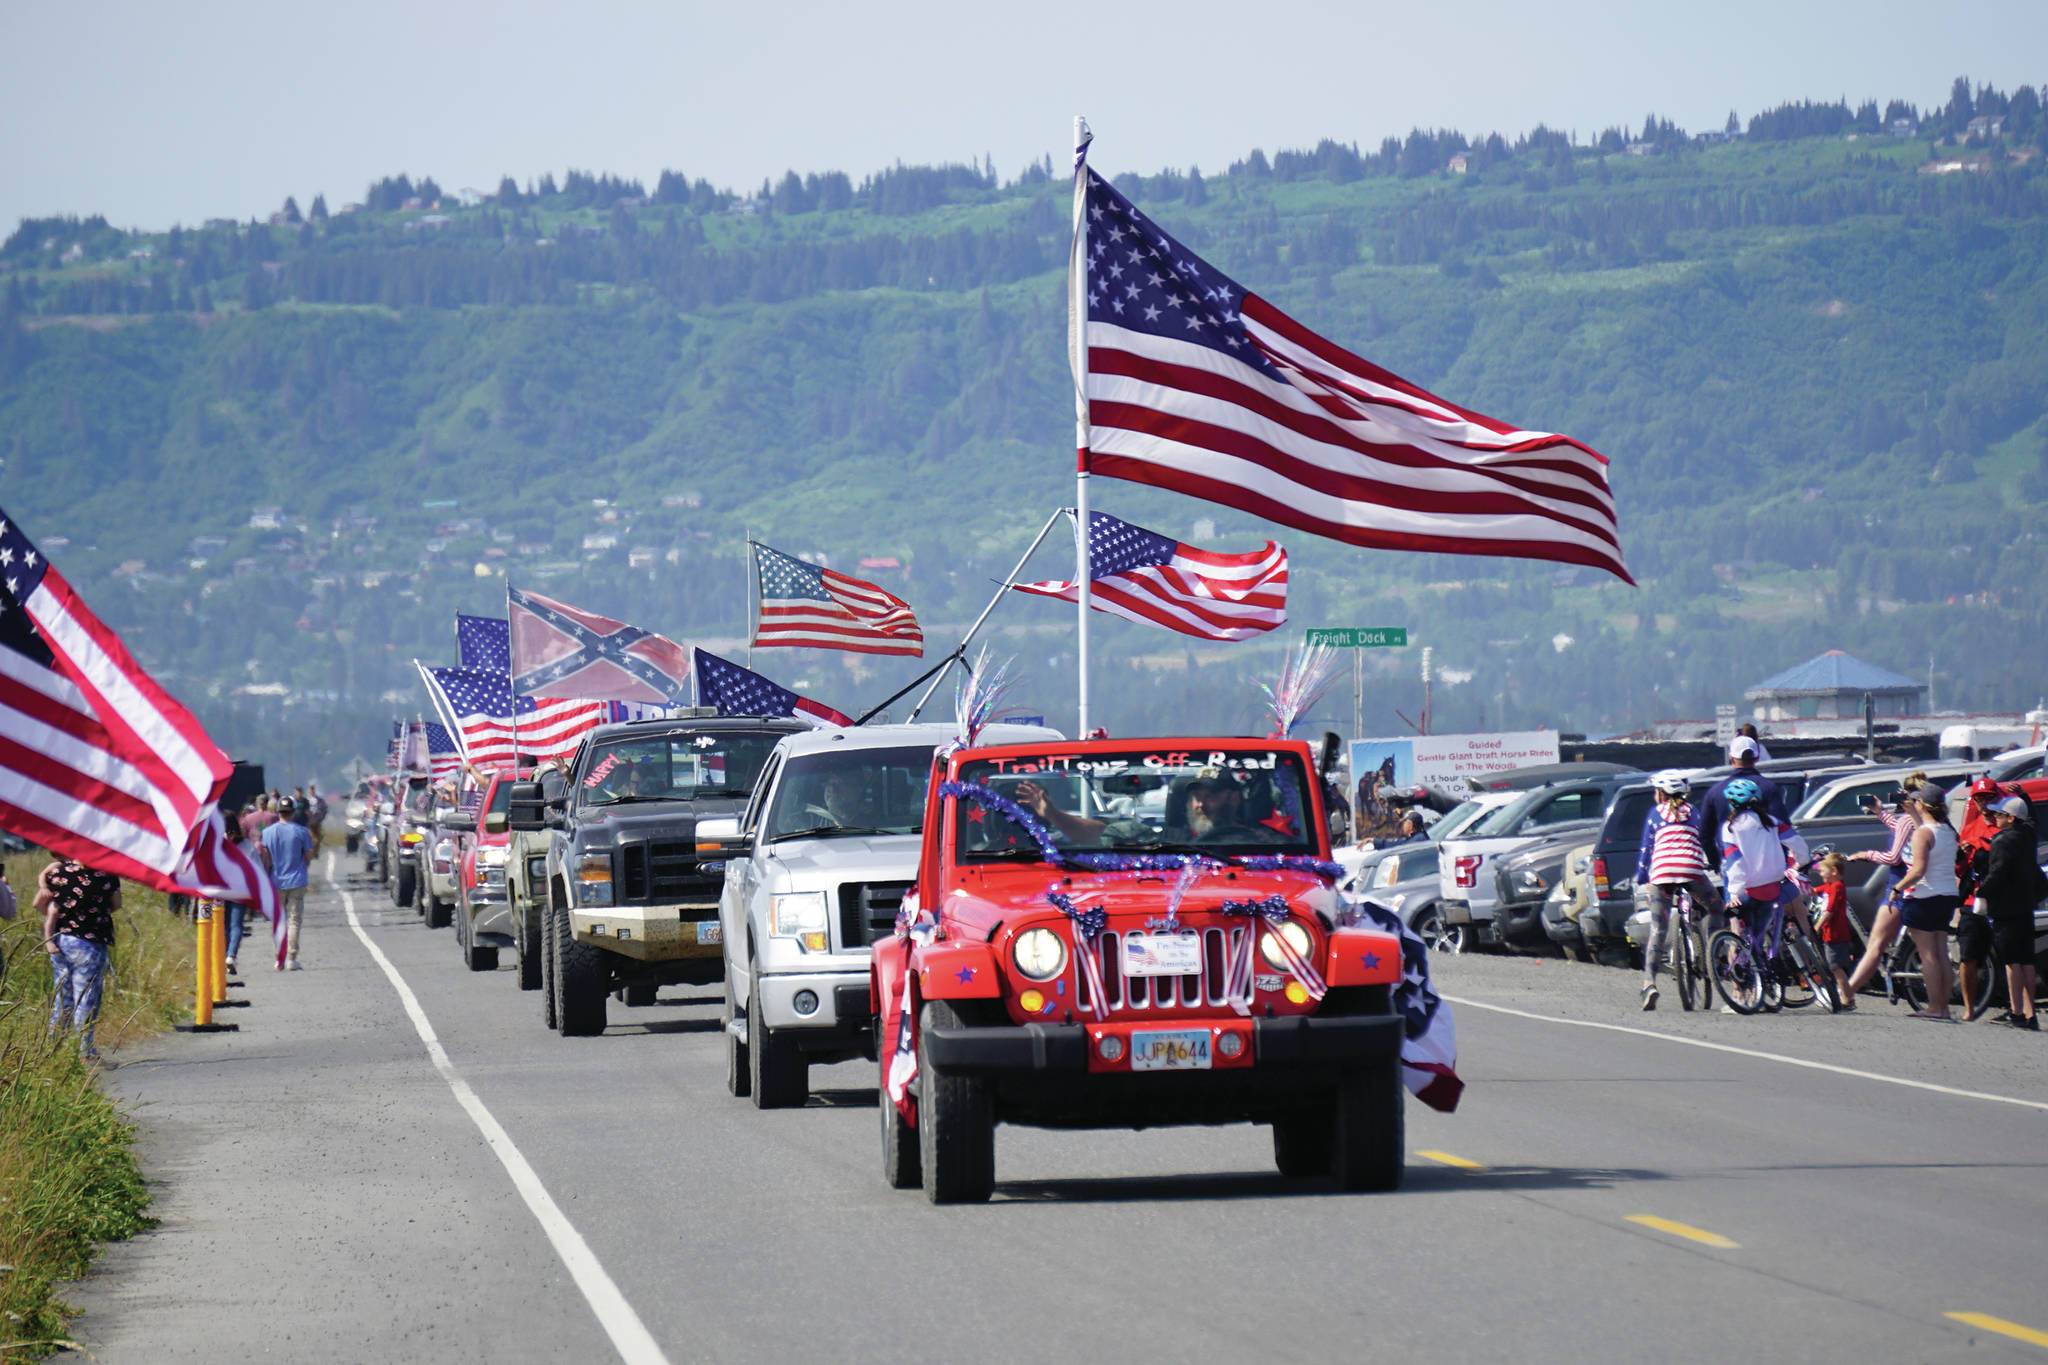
(2015, 807)
(1927, 794)
(1984, 786)
(1742, 746)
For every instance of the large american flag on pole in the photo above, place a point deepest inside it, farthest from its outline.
(97, 762)
(1193, 384)
(739, 691)
(1143, 576)
(484, 708)
(818, 608)
(562, 651)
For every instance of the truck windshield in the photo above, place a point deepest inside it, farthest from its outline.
(673, 767)
(1230, 803)
(851, 791)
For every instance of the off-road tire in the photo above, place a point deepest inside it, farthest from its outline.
(1370, 1139)
(778, 1077)
(549, 1001)
(404, 885)
(901, 1164)
(956, 1125)
(579, 984)
(1305, 1143)
(739, 1078)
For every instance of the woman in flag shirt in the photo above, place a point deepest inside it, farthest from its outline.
(1671, 858)
(78, 905)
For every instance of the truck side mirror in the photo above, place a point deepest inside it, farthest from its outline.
(461, 820)
(526, 810)
(494, 822)
(719, 837)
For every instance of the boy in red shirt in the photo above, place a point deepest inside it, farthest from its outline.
(1831, 918)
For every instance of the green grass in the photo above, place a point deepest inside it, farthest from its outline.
(68, 1180)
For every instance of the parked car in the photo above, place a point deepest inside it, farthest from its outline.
(1524, 879)
(1466, 880)
(1361, 863)
(829, 848)
(1569, 898)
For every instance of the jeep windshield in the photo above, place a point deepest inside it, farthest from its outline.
(1224, 803)
(673, 767)
(851, 791)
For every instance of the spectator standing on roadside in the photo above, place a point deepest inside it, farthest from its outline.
(1928, 891)
(1747, 730)
(77, 905)
(286, 847)
(1831, 919)
(1714, 808)
(1901, 824)
(2011, 886)
(316, 814)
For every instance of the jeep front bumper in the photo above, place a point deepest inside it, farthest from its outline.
(1293, 1043)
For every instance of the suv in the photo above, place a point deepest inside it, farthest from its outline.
(1162, 943)
(632, 892)
(1471, 892)
(829, 846)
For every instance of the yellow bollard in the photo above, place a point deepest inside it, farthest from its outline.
(202, 993)
(217, 955)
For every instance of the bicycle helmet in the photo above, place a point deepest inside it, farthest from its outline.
(1672, 782)
(1742, 792)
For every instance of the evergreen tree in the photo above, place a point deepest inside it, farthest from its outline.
(292, 216)
(318, 213)
(508, 192)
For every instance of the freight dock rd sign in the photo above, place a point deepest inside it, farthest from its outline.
(1360, 637)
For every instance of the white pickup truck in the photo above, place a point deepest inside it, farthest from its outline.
(1466, 867)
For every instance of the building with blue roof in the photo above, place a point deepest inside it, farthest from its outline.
(1832, 687)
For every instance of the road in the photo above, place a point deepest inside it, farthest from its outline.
(1602, 1193)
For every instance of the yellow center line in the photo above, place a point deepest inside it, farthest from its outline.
(1446, 1159)
(1685, 1230)
(2033, 1336)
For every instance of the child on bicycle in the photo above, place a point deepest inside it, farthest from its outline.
(1831, 920)
(1755, 855)
(1670, 859)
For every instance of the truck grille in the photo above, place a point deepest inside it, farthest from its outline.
(660, 872)
(1161, 992)
(867, 911)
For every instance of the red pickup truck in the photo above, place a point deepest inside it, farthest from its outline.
(1127, 934)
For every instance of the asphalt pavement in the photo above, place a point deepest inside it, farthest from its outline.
(351, 1176)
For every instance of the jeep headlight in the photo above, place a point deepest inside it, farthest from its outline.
(798, 914)
(594, 878)
(1040, 954)
(1297, 939)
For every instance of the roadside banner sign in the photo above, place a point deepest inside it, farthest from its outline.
(1438, 761)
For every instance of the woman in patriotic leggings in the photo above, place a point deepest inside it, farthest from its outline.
(1671, 859)
(78, 906)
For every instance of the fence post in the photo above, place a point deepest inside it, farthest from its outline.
(209, 971)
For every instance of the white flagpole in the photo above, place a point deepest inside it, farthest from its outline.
(1077, 359)
(753, 618)
(508, 676)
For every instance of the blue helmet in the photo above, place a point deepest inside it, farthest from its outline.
(1742, 792)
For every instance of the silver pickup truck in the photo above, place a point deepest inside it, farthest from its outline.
(830, 843)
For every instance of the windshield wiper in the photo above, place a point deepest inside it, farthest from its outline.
(1006, 855)
(632, 798)
(823, 832)
(1156, 846)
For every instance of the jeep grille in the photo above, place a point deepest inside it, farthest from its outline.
(867, 911)
(1163, 992)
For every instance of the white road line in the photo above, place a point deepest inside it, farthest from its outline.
(629, 1335)
(1752, 1052)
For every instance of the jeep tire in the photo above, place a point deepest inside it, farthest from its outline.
(579, 983)
(1369, 1138)
(739, 1078)
(1305, 1142)
(639, 993)
(545, 951)
(402, 885)
(777, 1074)
(901, 1166)
(956, 1125)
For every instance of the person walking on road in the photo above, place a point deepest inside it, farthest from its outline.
(77, 905)
(286, 848)
(2012, 885)
(1671, 859)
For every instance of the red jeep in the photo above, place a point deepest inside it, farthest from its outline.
(1130, 933)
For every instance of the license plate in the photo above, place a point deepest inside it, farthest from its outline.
(1180, 1049)
(708, 931)
(1162, 955)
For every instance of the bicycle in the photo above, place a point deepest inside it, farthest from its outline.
(1766, 968)
(1906, 980)
(1688, 965)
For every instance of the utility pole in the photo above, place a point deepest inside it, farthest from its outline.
(1424, 727)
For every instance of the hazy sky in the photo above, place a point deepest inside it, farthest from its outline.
(154, 113)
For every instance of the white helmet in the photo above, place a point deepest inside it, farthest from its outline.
(1672, 782)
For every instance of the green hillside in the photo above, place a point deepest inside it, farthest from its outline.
(282, 454)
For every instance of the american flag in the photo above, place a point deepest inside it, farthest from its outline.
(562, 651)
(444, 755)
(394, 752)
(97, 762)
(1141, 575)
(484, 710)
(738, 691)
(483, 643)
(803, 604)
(1193, 384)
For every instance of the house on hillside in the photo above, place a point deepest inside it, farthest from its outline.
(1985, 125)
(1976, 162)
(1832, 687)
(1458, 164)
